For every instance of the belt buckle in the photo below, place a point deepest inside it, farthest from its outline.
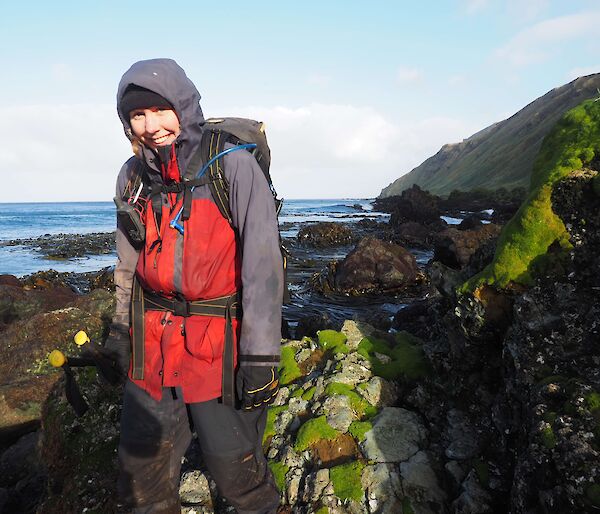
(181, 308)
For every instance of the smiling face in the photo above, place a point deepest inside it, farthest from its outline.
(155, 126)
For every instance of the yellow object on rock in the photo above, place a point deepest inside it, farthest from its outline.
(81, 338)
(57, 358)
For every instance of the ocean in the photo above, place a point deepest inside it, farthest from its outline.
(30, 220)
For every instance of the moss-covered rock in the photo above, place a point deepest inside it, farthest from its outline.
(572, 144)
(406, 357)
(346, 480)
(333, 341)
(289, 369)
(312, 431)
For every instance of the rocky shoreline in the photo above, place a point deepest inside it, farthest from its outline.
(402, 392)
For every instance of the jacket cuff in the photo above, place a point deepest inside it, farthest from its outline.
(258, 360)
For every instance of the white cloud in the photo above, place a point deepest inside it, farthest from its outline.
(540, 41)
(407, 75)
(60, 152)
(325, 151)
(73, 152)
(582, 71)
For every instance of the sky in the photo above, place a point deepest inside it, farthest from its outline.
(354, 94)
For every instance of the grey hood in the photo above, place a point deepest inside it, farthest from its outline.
(167, 78)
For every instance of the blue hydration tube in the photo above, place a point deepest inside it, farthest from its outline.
(174, 223)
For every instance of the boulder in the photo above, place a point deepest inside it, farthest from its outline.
(326, 234)
(27, 377)
(17, 302)
(455, 247)
(373, 266)
(396, 436)
(415, 204)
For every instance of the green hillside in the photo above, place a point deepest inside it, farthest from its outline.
(501, 155)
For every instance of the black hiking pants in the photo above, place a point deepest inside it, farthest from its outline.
(155, 436)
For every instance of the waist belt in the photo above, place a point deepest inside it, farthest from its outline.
(223, 307)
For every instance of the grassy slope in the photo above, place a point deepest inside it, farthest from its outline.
(501, 155)
(572, 144)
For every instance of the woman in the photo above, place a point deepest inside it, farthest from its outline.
(186, 290)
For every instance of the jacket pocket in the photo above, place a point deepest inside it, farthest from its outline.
(197, 341)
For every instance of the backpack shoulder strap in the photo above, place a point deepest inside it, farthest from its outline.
(213, 142)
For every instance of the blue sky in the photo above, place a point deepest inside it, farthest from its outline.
(354, 94)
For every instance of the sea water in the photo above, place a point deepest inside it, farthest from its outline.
(31, 220)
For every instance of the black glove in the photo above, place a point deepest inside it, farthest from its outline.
(112, 359)
(257, 386)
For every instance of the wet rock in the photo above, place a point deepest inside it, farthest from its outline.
(325, 234)
(455, 247)
(397, 434)
(310, 324)
(19, 303)
(417, 235)
(373, 266)
(471, 222)
(66, 246)
(27, 375)
(9, 280)
(415, 204)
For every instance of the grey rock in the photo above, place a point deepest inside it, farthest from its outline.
(356, 331)
(3, 498)
(473, 498)
(314, 485)
(352, 373)
(290, 458)
(397, 434)
(381, 483)
(419, 480)
(464, 443)
(338, 411)
(379, 392)
(282, 396)
(283, 421)
(293, 488)
(297, 405)
(456, 471)
(195, 488)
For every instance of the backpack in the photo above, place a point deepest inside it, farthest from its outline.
(237, 131)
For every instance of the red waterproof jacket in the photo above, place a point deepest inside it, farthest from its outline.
(210, 260)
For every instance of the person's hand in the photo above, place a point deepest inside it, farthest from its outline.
(257, 386)
(112, 359)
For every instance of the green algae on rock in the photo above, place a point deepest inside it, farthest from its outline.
(346, 480)
(406, 358)
(332, 340)
(289, 369)
(279, 470)
(572, 144)
(361, 406)
(312, 431)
